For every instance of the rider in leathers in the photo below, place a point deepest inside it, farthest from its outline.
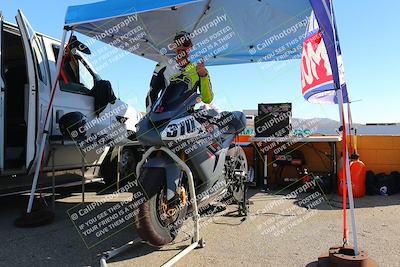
(195, 76)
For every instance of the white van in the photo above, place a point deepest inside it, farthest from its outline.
(27, 72)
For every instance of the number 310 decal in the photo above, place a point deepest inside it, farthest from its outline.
(183, 128)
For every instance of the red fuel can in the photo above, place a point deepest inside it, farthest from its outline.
(358, 172)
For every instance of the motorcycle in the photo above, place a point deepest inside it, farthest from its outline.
(190, 162)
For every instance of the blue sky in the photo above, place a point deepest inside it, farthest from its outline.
(369, 35)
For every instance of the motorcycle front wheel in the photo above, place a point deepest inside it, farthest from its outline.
(158, 221)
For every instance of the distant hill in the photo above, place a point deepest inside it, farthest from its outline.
(328, 126)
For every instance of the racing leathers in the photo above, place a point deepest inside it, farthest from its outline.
(166, 73)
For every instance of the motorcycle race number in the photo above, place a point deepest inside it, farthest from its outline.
(182, 128)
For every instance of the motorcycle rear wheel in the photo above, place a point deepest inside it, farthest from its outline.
(237, 172)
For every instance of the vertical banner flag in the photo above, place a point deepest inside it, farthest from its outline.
(317, 78)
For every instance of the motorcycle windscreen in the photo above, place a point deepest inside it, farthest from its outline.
(173, 97)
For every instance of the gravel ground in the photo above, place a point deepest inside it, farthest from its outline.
(278, 232)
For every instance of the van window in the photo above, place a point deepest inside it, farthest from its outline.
(40, 63)
(75, 75)
(85, 77)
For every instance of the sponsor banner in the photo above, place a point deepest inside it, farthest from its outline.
(317, 78)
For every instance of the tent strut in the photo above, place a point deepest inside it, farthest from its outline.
(46, 126)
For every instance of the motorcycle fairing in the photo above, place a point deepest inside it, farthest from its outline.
(172, 173)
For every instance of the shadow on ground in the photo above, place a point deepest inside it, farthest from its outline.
(227, 236)
(56, 244)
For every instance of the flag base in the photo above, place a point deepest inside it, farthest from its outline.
(344, 257)
(35, 219)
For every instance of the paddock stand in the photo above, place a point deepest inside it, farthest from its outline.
(243, 205)
(196, 241)
(115, 252)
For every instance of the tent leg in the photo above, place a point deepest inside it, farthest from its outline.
(83, 176)
(348, 177)
(53, 181)
(118, 167)
(46, 128)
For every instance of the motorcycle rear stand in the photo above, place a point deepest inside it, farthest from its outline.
(196, 241)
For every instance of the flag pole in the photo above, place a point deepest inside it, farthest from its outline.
(346, 156)
(347, 172)
(352, 130)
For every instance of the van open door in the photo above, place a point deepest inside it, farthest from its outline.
(2, 103)
(39, 86)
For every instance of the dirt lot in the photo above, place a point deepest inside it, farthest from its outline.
(278, 232)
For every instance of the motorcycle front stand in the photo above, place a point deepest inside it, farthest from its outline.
(197, 242)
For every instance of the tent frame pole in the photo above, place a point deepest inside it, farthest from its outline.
(46, 126)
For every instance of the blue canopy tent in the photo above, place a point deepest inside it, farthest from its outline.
(251, 23)
(222, 31)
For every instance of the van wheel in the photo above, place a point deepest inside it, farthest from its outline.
(128, 162)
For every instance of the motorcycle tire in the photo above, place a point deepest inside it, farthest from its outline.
(237, 190)
(148, 222)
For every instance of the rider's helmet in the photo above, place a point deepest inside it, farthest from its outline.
(182, 39)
